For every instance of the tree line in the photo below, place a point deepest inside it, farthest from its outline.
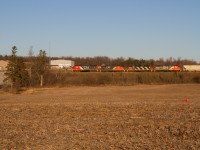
(21, 74)
(107, 61)
(126, 62)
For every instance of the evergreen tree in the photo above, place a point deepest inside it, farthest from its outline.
(16, 72)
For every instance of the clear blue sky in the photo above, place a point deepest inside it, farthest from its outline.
(115, 28)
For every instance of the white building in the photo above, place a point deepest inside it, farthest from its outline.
(61, 63)
(3, 65)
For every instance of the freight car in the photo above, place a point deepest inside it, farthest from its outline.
(191, 67)
(134, 68)
(155, 68)
(140, 68)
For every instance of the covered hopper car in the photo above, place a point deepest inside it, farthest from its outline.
(191, 67)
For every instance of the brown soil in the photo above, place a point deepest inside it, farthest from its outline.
(111, 117)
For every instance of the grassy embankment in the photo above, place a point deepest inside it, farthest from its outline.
(61, 78)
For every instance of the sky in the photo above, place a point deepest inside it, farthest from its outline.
(141, 29)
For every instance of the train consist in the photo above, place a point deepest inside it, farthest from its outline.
(175, 68)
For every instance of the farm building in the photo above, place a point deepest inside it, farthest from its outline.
(61, 63)
(3, 65)
(1, 77)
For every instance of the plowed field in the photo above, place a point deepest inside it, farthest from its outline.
(109, 117)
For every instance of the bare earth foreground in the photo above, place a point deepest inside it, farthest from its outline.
(111, 117)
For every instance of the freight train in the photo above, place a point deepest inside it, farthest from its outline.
(174, 68)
